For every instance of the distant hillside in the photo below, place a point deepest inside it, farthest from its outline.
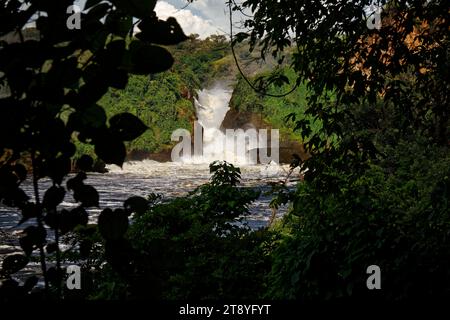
(165, 101)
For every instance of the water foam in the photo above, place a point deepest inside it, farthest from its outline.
(211, 107)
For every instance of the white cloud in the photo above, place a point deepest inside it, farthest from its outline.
(190, 22)
(216, 10)
(204, 17)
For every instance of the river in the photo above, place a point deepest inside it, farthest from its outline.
(141, 178)
(170, 179)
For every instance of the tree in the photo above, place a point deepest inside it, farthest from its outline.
(53, 76)
(337, 51)
(377, 186)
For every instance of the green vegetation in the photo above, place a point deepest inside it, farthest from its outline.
(190, 247)
(194, 247)
(378, 192)
(275, 112)
(158, 102)
(374, 191)
(54, 78)
(394, 213)
(164, 101)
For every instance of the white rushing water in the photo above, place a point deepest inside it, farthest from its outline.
(211, 108)
(140, 178)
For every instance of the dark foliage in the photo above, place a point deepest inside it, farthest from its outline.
(375, 188)
(52, 78)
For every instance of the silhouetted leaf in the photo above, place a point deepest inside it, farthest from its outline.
(52, 219)
(51, 247)
(87, 195)
(7, 178)
(64, 221)
(54, 276)
(146, 58)
(137, 8)
(30, 283)
(93, 116)
(161, 32)
(85, 248)
(111, 151)
(119, 253)
(126, 126)
(136, 205)
(34, 237)
(70, 219)
(91, 92)
(75, 181)
(64, 73)
(92, 72)
(69, 149)
(118, 78)
(14, 263)
(112, 224)
(58, 168)
(239, 37)
(118, 24)
(113, 54)
(99, 11)
(20, 171)
(53, 197)
(85, 163)
(13, 197)
(10, 289)
(29, 210)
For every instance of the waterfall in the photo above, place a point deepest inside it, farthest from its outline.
(239, 147)
(211, 108)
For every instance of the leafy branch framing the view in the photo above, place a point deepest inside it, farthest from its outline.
(276, 79)
(54, 77)
(375, 188)
(345, 63)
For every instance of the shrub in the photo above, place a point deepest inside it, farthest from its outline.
(198, 246)
(394, 215)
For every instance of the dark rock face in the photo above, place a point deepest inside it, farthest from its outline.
(243, 120)
(246, 120)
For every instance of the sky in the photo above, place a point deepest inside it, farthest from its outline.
(204, 17)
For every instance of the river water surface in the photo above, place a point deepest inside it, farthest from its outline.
(141, 178)
(170, 179)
